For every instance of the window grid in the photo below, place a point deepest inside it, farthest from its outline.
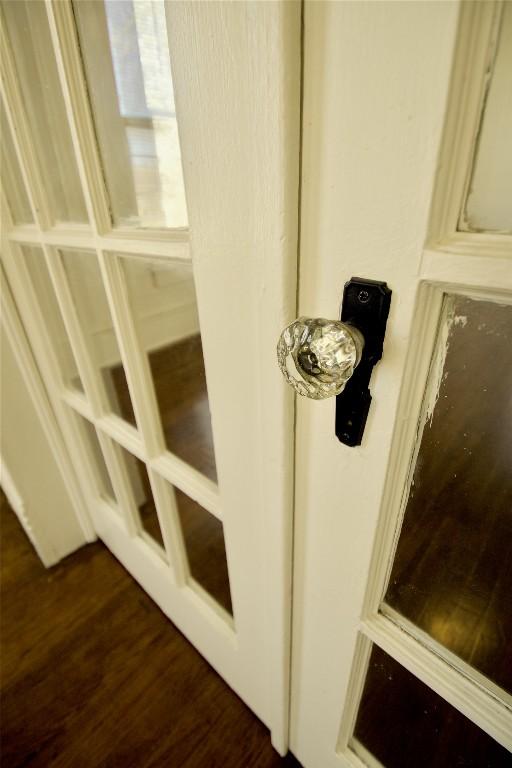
(105, 243)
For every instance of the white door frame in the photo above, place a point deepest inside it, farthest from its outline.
(236, 69)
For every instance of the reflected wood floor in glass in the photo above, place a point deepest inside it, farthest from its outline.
(180, 385)
(405, 724)
(93, 674)
(452, 574)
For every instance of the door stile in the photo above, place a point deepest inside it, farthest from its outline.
(252, 234)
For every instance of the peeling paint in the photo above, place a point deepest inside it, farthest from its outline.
(436, 375)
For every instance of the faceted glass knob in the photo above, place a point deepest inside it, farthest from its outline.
(318, 357)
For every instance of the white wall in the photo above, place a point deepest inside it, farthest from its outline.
(30, 476)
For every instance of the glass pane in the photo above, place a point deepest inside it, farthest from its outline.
(163, 301)
(12, 179)
(206, 550)
(86, 285)
(143, 496)
(403, 723)
(31, 46)
(105, 486)
(489, 203)
(43, 287)
(452, 573)
(126, 58)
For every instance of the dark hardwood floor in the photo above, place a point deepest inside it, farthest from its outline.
(93, 674)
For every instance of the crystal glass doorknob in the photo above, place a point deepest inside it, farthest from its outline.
(318, 356)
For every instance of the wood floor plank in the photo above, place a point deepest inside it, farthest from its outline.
(93, 674)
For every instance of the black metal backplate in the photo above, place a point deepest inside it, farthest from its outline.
(366, 306)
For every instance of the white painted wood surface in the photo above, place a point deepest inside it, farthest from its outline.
(237, 92)
(35, 472)
(381, 121)
(241, 178)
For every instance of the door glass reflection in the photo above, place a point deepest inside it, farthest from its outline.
(205, 547)
(489, 201)
(103, 482)
(38, 79)
(86, 285)
(12, 179)
(142, 495)
(403, 723)
(163, 300)
(54, 323)
(126, 58)
(452, 573)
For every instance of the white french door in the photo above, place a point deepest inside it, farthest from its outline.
(402, 581)
(152, 297)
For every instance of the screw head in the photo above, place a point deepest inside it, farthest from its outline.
(363, 296)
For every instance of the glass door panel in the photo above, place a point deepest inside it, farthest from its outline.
(142, 497)
(103, 482)
(403, 723)
(90, 98)
(91, 304)
(452, 572)
(126, 59)
(489, 198)
(12, 179)
(36, 69)
(41, 282)
(205, 548)
(163, 301)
